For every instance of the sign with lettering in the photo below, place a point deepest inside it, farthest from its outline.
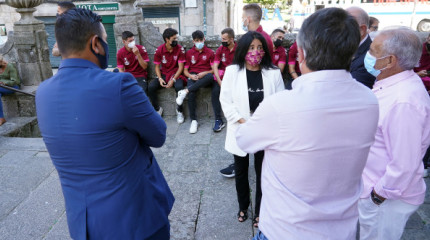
(158, 21)
(99, 6)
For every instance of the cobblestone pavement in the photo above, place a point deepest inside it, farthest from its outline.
(32, 205)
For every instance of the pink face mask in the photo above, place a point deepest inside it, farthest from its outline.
(254, 58)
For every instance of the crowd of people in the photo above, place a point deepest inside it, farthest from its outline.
(344, 144)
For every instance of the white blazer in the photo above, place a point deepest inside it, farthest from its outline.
(235, 101)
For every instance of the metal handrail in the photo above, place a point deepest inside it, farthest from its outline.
(17, 90)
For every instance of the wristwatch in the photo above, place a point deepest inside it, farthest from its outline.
(376, 199)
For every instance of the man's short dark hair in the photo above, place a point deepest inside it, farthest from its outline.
(254, 11)
(329, 39)
(66, 5)
(73, 29)
(198, 35)
(372, 20)
(229, 31)
(277, 31)
(126, 34)
(168, 33)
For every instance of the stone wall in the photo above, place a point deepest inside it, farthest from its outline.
(167, 96)
(8, 16)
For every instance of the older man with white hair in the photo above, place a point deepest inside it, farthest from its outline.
(358, 71)
(393, 184)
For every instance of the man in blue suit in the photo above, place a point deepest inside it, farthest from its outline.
(358, 71)
(98, 127)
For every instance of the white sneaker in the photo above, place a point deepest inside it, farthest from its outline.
(193, 127)
(425, 173)
(181, 96)
(160, 111)
(179, 117)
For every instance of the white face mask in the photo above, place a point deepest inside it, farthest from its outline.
(132, 44)
(244, 27)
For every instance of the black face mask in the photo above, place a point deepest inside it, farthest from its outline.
(277, 43)
(225, 44)
(103, 60)
(174, 43)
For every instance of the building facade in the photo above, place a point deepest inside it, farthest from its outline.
(209, 16)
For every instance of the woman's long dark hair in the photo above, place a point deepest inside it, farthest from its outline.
(243, 47)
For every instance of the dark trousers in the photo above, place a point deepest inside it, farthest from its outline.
(216, 105)
(143, 84)
(162, 234)
(154, 86)
(241, 165)
(4, 91)
(193, 86)
(426, 158)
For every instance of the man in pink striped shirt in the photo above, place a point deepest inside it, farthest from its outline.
(393, 183)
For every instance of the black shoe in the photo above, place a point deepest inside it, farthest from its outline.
(228, 171)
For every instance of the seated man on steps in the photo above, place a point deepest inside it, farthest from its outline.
(9, 77)
(169, 59)
(199, 72)
(134, 59)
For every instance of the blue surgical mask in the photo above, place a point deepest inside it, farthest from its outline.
(245, 28)
(369, 64)
(103, 60)
(199, 45)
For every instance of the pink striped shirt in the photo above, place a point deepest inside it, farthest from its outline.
(394, 166)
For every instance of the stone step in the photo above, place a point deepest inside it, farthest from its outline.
(19, 104)
(167, 100)
(24, 127)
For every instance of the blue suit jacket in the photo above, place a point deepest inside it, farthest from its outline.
(358, 71)
(98, 127)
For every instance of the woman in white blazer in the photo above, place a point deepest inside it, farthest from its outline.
(249, 79)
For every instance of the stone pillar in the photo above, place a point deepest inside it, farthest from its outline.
(130, 19)
(127, 19)
(30, 43)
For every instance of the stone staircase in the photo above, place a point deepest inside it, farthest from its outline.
(19, 104)
(20, 112)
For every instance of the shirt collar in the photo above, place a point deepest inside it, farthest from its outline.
(392, 80)
(164, 48)
(203, 49)
(362, 41)
(77, 62)
(228, 49)
(278, 49)
(323, 76)
(259, 29)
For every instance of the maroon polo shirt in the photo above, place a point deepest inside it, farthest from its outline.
(199, 61)
(279, 56)
(293, 57)
(169, 60)
(128, 60)
(224, 56)
(268, 39)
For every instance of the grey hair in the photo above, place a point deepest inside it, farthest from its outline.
(362, 17)
(404, 44)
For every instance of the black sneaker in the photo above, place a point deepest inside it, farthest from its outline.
(228, 171)
(219, 125)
